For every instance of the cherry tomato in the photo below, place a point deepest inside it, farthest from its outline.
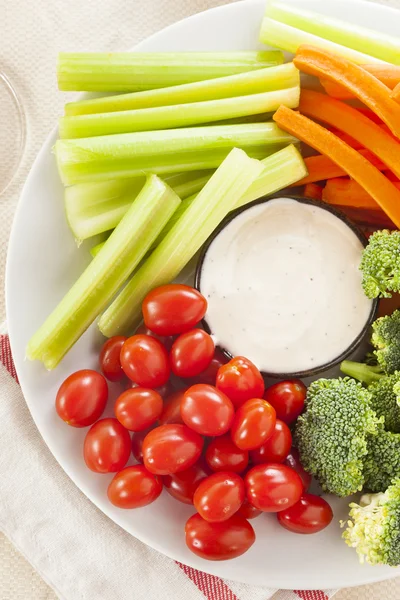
(273, 487)
(240, 380)
(219, 496)
(107, 446)
(209, 375)
(110, 362)
(207, 410)
(248, 511)
(253, 424)
(287, 397)
(191, 353)
(82, 398)
(182, 486)
(219, 541)
(172, 408)
(173, 309)
(138, 408)
(309, 515)
(134, 487)
(171, 448)
(164, 390)
(166, 340)
(137, 443)
(145, 361)
(223, 455)
(293, 461)
(276, 448)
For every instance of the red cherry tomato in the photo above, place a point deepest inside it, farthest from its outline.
(223, 455)
(164, 390)
(287, 397)
(173, 309)
(138, 408)
(134, 487)
(82, 398)
(207, 410)
(293, 461)
(145, 361)
(253, 424)
(171, 448)
(182, 486)
(209, 375)
(248, 511)
(219, 541)
(309, 515)
(191, 353)
(172, 408)
(107, 446)
(110, 362)
(240, 380)
(273, 487)
(219, 496)
(276, 448)
(137, 443)
(166, 340)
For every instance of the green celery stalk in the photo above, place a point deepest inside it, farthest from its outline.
(177, 115)
(281, 169)
(135, 71)
(251, 82)
(97, 285)
(217, 198)
(340, 31)
(289, 38)
(168, 151)
(94, 250)
(92, 208)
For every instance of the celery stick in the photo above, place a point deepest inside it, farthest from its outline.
(97, 285)
(96, 249)
(281, 169)
(135, 71)
(177, 115)
(217, 198)
(289, 38)
(93, 208)
(167, 151)
(252, 82)
(340, 31)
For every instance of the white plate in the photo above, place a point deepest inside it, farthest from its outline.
(43, 262)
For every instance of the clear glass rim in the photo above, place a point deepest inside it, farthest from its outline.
(22, 124)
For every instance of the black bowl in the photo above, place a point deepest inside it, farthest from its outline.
(356, 342)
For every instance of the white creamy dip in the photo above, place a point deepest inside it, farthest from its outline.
(283, 286)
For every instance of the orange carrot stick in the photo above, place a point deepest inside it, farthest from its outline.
(347, 192)
(357, 166)
(366, 87)
(367, 112)
(312, 190)
(346, 138)
(396, 93)
(321, 167)
(352, 122)
(387, 74)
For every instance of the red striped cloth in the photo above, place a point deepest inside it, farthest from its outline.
(212, 587)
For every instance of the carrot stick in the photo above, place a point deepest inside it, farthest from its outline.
(347, 192)
(312, 190)
(357, 166)
(352, 122)
(366, 87)
(396, 93)
(387, 74)
(321, 167)
(367, 112)
(346, 138)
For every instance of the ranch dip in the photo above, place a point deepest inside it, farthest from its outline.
(283, 286)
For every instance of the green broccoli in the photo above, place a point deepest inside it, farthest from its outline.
(331, 435)
(382, 463)
(380, 264)
(373, 528)
(386, 341)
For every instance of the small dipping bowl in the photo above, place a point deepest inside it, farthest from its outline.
(279, 288)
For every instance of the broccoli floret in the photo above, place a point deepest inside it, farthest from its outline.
(331, 435)
(386, 341)
(384, 389)
(382, 463)
(380, 264)
(373, 528)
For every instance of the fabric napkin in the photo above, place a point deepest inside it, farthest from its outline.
(77, 550)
